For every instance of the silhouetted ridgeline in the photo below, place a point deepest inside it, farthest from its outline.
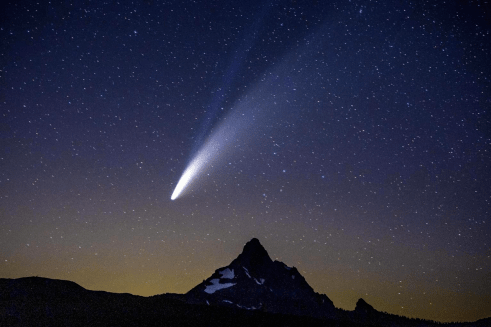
(252, 291)
(35, 301)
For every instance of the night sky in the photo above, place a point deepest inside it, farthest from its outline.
(352, 138)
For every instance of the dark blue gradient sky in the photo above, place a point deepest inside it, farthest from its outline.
(363, 158)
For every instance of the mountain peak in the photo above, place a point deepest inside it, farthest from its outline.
(253, 281)
(254, 247)
(254, 255)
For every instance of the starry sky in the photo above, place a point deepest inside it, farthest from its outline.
(354, 141)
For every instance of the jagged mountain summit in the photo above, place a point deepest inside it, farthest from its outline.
(255, 282)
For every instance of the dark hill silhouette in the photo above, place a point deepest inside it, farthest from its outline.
(363, 308)
(252, 291)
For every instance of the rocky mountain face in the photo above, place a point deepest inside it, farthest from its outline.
(255, 282)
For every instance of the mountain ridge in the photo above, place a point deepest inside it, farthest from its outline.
(252, 290)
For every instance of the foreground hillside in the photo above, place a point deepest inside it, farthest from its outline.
(36, 301)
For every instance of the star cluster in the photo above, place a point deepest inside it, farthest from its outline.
(360, 146)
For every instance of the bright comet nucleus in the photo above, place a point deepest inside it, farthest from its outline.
(191, 171)
(185, 179)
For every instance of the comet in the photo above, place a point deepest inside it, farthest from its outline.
(271, 105)
(247, 122)
(229, 129)
(215, 146)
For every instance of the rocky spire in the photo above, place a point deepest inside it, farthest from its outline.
(253, 255)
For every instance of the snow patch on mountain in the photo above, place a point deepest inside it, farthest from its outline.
(247, 272)
(250, 308)
(210, 289)
(260, 282)
(227, 273)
